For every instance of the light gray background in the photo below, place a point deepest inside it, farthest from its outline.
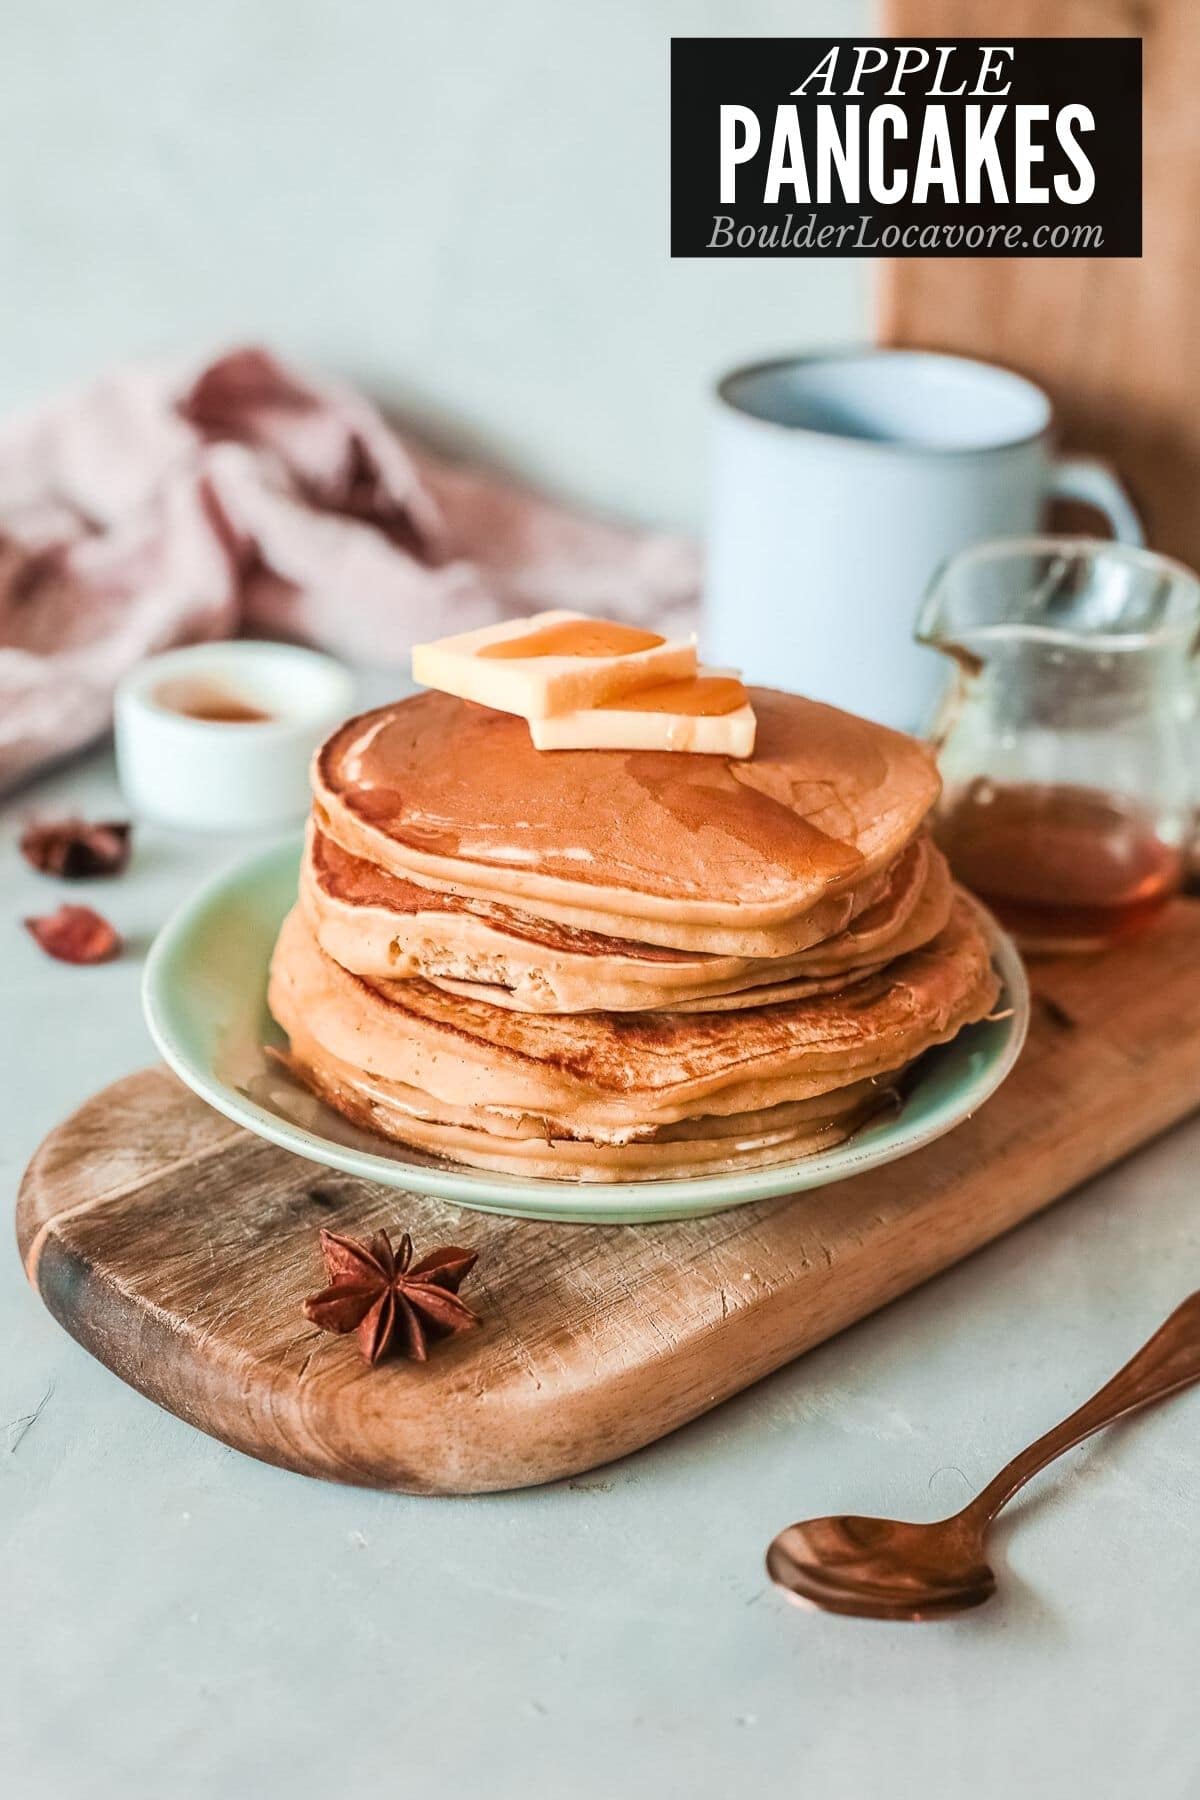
(463, 204)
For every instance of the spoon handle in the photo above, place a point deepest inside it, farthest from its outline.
(1170, 1360)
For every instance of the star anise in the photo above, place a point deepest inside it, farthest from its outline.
(386, 1298)
(75, 848)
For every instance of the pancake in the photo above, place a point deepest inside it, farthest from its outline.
(369, 1100)
(564, 1161)
(706, 1146)
(825, 969)
(428, 912)
(658, 847)
(379, 925)
(615, 1071)
(769, 994)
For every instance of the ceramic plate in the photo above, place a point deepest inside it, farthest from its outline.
(205, 1000)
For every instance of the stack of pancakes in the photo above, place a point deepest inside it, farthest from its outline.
(618, 965)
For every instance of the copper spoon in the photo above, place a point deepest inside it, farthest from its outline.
(887, 1569)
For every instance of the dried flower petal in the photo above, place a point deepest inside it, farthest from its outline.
(75, 934)
(75, 849)
(379, 1293)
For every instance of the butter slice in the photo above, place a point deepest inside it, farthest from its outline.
(486, 666)
(614, 727)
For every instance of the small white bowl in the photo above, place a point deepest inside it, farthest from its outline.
(216, 774)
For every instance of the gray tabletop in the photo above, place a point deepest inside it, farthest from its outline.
(180, 1619)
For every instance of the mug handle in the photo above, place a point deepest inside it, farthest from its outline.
(1093, 483)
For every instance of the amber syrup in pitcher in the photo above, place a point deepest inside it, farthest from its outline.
(1063, 867)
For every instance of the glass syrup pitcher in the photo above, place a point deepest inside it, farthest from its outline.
(1065, 739)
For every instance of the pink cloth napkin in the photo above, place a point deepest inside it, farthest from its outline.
(166, 504)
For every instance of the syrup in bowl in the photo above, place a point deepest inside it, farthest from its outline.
(210, 701)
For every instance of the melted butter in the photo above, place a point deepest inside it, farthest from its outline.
(575, 637)
(694, 697)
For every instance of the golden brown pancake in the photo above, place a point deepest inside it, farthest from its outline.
(376, 924)
(617, 1071)
(528, 1147)
(367, 1098)
(656, 847)
(566, 1161)
(432, 917)
(825, 969)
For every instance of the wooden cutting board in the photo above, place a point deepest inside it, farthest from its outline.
(177, 1249)
(1112, 339)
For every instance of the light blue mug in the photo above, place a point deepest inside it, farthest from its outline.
(841, 482)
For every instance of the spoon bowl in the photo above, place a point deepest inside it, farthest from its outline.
(882, 1568)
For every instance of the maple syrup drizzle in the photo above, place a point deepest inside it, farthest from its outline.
(575, 637)
(693, 697)
(1061, 866)
(208, 701)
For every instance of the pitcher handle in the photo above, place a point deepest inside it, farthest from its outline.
(1093, 483)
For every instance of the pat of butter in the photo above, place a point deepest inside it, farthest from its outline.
(554, 662)
(676, 715)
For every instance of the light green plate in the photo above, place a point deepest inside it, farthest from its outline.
(205, 999)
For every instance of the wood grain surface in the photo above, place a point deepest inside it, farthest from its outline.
(177, 1248)
(1113, 340)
